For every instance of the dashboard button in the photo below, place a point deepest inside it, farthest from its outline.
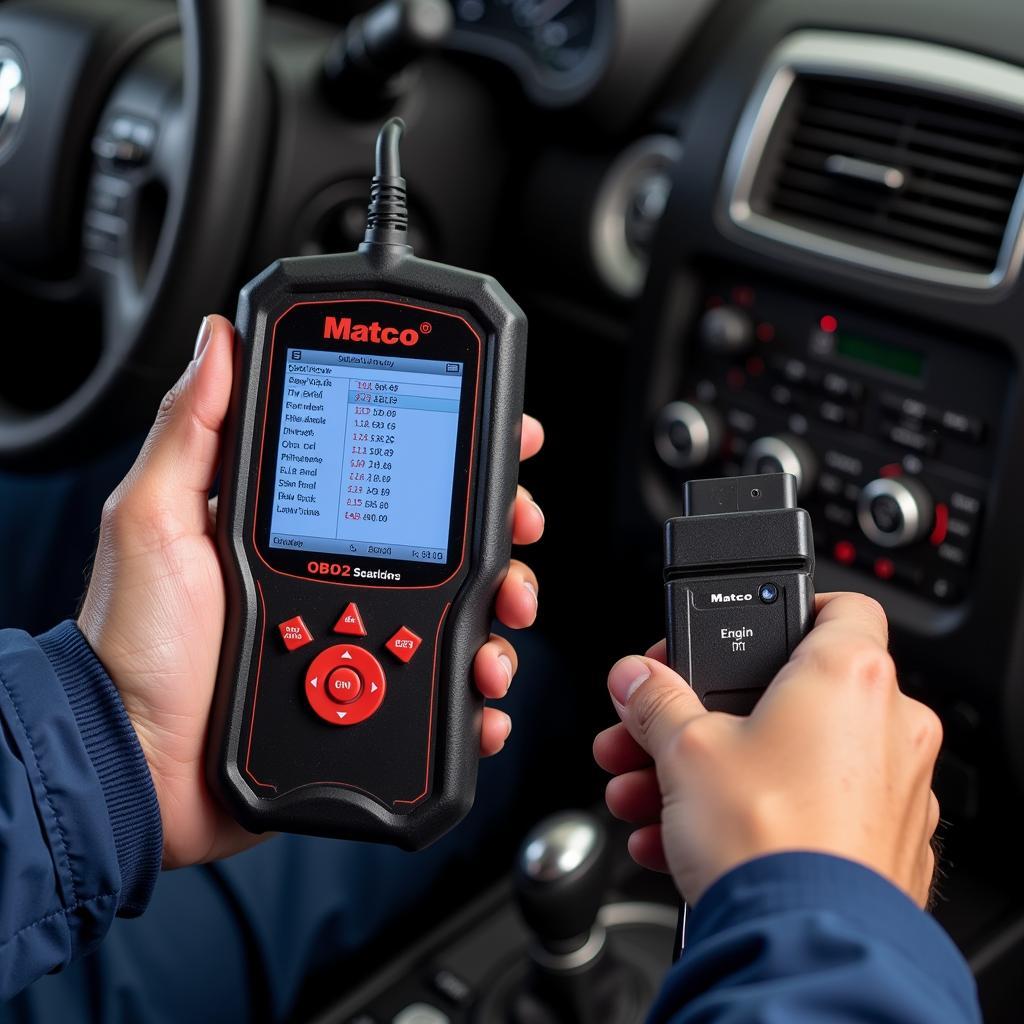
(404, 644)
(351, 622)
(295, 633)
(727, 331)
(915, 440)
(965, 503)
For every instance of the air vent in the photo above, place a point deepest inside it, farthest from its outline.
(921, 177)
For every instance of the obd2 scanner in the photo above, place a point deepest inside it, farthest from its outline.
(370, 470)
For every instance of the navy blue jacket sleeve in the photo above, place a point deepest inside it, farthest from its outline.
(806, 938)
(80, 838)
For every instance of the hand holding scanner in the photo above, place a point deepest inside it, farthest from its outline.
(371, 462)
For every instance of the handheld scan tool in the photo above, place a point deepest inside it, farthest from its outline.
(371, 463)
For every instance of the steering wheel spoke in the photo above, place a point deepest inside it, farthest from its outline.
(153, 124)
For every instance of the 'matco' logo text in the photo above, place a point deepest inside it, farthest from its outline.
(343, 329)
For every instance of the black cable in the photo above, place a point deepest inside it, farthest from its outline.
(387, 221)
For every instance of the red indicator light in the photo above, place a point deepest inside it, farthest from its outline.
(743, 296)
(844, 553)
(829, 324)
(941, 527)
(765, 332)
(884, 569)
(736, 378)
(755, 366)
(893, 469)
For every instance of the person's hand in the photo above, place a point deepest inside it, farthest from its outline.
(154, 611)
(834, 759)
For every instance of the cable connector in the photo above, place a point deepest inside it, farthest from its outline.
(387, 220)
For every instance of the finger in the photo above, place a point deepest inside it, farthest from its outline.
(527, 519)
(180, 456)
(532, 438)
(653, 702)
(647, 849)
(616, 751)
(849, 641)
(659, 652)
(516, 604)
(494, 731)
(855, 613)
(635, 797)
(494, 666)
(934, 815)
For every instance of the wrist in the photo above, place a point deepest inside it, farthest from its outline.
(118, 758)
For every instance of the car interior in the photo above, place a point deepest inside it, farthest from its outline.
(750, 236)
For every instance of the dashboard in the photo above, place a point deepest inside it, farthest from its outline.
(834, 292)
(558, 47)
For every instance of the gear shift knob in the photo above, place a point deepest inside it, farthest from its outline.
(562, 873)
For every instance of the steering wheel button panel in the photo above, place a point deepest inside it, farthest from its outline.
(295, 633)
(351, 622)
(404, 644)
(345, 685)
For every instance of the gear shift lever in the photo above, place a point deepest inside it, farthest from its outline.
(561, 877)
(562, 874)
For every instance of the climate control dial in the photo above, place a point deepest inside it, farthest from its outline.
(687, 434)
(783, 454)
(895, 512)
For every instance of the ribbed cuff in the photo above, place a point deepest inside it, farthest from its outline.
(118, 760)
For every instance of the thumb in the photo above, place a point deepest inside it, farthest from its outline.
(180, 456)
(653, 702)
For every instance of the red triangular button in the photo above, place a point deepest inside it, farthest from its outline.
(351, 622)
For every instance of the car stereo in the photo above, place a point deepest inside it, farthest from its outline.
(891, 433)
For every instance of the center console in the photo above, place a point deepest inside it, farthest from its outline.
(891, 432)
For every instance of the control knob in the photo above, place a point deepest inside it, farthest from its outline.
(687, 434)
(783, 454)
(895, 512)
(726, 331)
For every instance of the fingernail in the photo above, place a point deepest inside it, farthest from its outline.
(531, 590)
(508, 725)
(540, 511)
(626, 678)
(203, 337)
(506, 662)
(526, 492)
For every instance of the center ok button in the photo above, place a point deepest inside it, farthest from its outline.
(344, 685)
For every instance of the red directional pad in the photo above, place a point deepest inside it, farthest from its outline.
(331, 684)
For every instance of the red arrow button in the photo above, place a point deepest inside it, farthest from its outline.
(351, 622)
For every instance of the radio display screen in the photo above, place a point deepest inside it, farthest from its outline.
(881, 355)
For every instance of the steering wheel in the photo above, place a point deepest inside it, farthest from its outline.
(132, 142)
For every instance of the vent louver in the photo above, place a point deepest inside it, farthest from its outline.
(906, 173)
